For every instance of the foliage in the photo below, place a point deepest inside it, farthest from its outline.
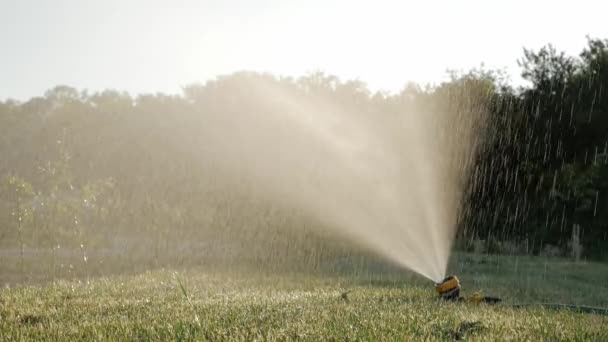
(102, 168)
(544, 168)
(57, 211)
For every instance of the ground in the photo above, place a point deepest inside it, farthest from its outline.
(200, 305)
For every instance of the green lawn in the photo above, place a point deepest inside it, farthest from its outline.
(248, 306)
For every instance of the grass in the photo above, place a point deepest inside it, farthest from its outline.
(201, 305)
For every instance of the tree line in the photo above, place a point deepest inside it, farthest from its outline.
(82, 169)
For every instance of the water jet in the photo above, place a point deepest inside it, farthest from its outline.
(389, 181)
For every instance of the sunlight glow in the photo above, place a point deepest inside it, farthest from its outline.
(150, 46)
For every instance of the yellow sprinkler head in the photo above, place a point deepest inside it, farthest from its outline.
(449, 288)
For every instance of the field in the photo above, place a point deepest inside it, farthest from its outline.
(198, 304)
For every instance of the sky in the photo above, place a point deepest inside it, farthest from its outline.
(150, 46)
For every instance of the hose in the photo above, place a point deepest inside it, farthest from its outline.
(560, 306)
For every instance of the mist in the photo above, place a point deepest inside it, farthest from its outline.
(248, 169)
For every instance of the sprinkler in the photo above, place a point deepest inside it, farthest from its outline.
(449, 288)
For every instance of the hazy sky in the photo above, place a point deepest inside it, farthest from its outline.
(150, 46)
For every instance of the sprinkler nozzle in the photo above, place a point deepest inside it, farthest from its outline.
(449, 288)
